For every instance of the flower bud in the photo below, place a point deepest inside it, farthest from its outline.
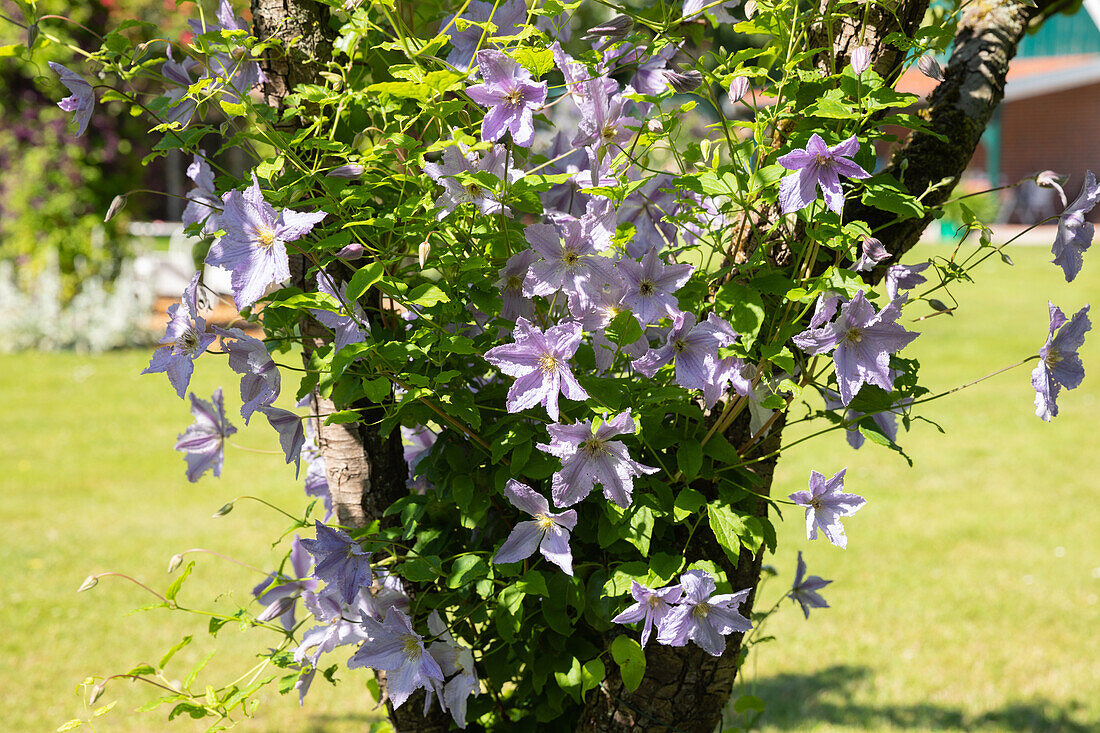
(277, 609)
(684, 81)
(738, 88)
(930, 67)
(615, 29)
(174, 563)
(860, 60)
(32, 35)
(750, 9)
(96, 693)
(351, 170)
(226, 508)
(118, 203)
(422, 252)
(352, 252)
(1050, 179)
(90, 582)
(654, 125)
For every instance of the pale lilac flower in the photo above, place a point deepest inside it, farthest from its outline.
(417, 444)
(292, 435)
(720, 12)
(458, 159)
(863, 341)
(316, 481)
(826, 503)
(871, 253)
(231, 74)
(651, 606)
(82, 100)
(904, 277)
(249, 357)
(338, 622)
(1074, 233)
(203, 442)
(1059, 363)
(731, 370)
(457, 663)
(818, 165)
(515, 304)
(703, 617)
(279, 593)
(860, 60)
(540, 362)
(739, 87)
(649, 286)
(187, 335)
(509, 18)
(548, 532)
(254, 244)
(341, 561)
(693, 350)
(589, 456)
(805, 589)
(203, 203)
(510, 95)
(180, 107)
(393, 647)
(570, 260)
(603, 121)
(345, 328)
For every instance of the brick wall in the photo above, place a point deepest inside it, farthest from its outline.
(1059, 131)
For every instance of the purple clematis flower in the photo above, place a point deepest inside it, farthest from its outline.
(254, 244)
(805, 589)
(818, 165)
(337, 622)
(1074, 233)
(203, 203)
(863, 340)
(649, 286)
(693, 349)
(457, 160)
(249, 357)
(720, 12)
(904, 277)
(825, 504)
(603, 122)
(188, 338)
(341, 561)
(396, 649)
(509, 17)
(651, 606)
(548, 532)
(457, 663)
(589, 457)
(871, 253)
(703, 617)
(540, 362)
(280, 598)
(204, 440)
(515, 304)
(1059, 364)
(82, 100)
(292, 436)
(178, 73)
(345, 328)
(510, 95)
(570, 260)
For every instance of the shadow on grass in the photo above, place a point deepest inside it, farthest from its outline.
(799, 702)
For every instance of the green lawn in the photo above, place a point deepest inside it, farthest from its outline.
(967, 598)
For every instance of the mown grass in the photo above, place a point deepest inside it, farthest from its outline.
(967, 598)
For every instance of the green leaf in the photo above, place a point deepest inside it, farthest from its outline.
(536, 60)
(377, 390)
(624, 329)
(884, 192)
(427, 295)
(743, 307)
(688, 501)
(570, 682)
(362, 280)
(748, 702)
(727, 526)
(466, 569)
(421, 569)
(233, 109)
(689, 458)
(343, 417)
(174, 588)
(592, 674)
(172, 652)
(630, 657)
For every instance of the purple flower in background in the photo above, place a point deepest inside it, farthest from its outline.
(396, 649)
(1059, 363)
(254, 244)
(1074, 233)
(570, 260)
(602, 119)
(457, 663)
(82, 100)
(871, 253)
(540, 362)
(457, 160)
(548, 532)
(589, 457)
(818, 165)
(316, 481)
(280, 597)
(187, 335)
(649, 286)
(863, 340)
(204, 440)
(180, 108)
(417, 444)
(292, 435)
(646, 209)
(703, 617)
(805, 589)
(510, 95)
(509, 18)
(720, 12)
(341, 561)
(651, 606)
(202, 201)
(233, 74)
(904, 277)
(249, 357)
(345, 328)
(515, 304)
(825, 504)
